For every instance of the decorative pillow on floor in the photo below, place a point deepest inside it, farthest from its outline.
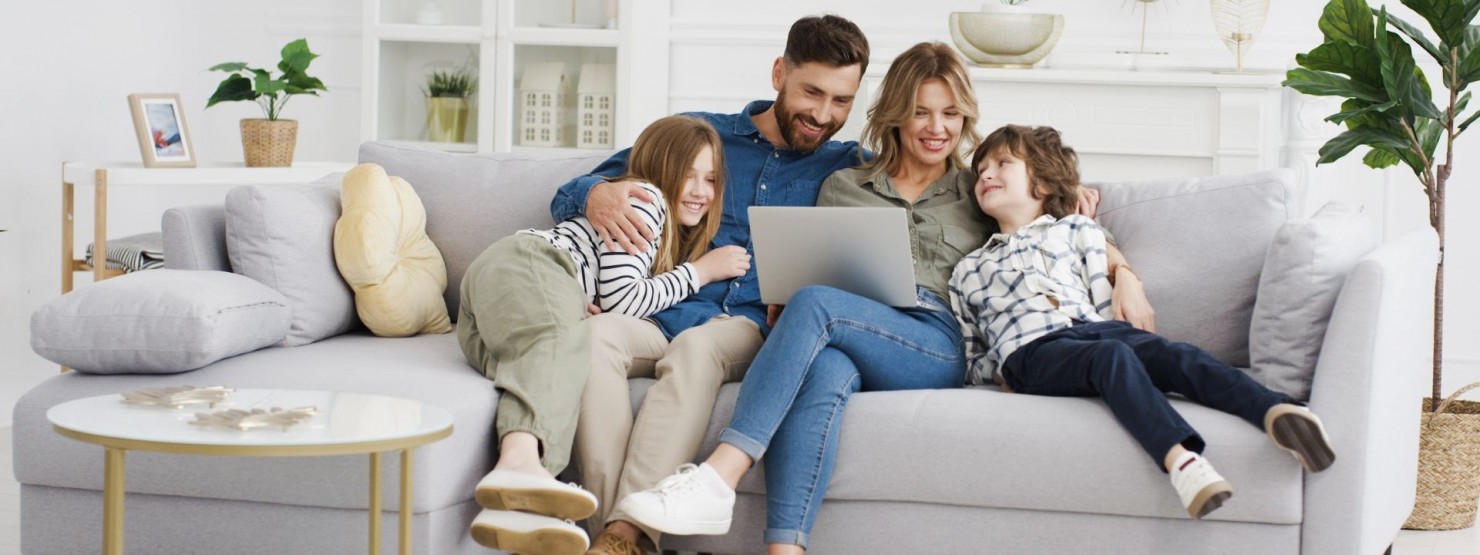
(382, 250)
(1304, 270)
(159, 322)
(283, 237)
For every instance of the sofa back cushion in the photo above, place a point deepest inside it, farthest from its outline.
(1199, 245)
(473, 200)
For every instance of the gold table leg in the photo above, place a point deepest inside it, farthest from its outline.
(113, 479)
(406, 502)
(375, 504)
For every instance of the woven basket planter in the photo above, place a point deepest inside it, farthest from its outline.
(269, 143)
(1448, 465)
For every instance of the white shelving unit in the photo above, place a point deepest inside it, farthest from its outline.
(503, 36)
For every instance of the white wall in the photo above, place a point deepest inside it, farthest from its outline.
(68, 66)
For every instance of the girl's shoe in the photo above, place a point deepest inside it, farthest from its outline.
(1296, 429)
(506, 490)
(518, 532)
(692, 501)
(1201, 488)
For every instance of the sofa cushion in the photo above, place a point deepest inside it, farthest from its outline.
(427, 368)
(1303, 272)
(284, 238)
(382, 249)
(474, 200)
(1198, 245)
(158, 322)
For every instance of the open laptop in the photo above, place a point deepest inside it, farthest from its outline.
(865, 251)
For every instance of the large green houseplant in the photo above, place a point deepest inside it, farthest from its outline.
(269, 141)
(1390, 108)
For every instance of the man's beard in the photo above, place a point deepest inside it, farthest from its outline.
(791, 130)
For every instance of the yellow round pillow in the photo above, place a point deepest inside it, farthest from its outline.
(383, 252)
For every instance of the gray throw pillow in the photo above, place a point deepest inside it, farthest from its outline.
(283, 237)
(158, 322)
(1304, 270)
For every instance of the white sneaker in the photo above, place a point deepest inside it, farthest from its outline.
(1201, 488)
(1296, 429)
(507, 490)
(518, 532)
(692, 501)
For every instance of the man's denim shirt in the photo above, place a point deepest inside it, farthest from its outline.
(756, 174)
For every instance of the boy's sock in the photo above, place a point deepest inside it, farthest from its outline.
(1200, 487)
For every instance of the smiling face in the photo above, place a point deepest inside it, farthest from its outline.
(812, 101)
(698, 189)
(1004, 189)
(934, 132)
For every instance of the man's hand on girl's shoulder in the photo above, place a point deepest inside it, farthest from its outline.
(613, 217)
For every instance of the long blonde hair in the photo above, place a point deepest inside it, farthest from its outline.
(896, 103)
(663, 155)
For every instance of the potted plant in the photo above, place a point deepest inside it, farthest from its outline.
(447, 92)
(269, 141)
(1390, 108)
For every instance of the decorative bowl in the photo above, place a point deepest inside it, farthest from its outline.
(1012, 40)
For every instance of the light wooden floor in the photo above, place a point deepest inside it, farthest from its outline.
(1458, 542)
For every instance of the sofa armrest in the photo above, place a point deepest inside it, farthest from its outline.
(195, 238)
(1372, 373)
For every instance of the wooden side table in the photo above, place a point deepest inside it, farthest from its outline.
(105, 174)
(346, 424)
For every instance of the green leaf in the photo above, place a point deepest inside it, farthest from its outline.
(1320, 83)
(1343, 144)
(1469, 69)
(235, 87)
(1429, 132)
(1465, 124)
(1400, 75)
(1380, 157)
(1348, 21)
(268, 86)
(229, 66)
(1449, 18)
(1355, 107)
(1417, 37)
(1472, 38)
(1359, 62)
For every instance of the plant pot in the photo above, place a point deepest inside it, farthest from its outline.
(1448, 465)
(269, 143)
(447, 119)
(1008, 39)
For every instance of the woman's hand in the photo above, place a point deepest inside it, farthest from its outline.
(722, 263)
(1128, 301)
(1089, 202)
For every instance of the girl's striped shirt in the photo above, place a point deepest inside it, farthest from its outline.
(617, 281)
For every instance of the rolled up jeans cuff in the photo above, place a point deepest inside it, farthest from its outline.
(789, 537)
(754, 449)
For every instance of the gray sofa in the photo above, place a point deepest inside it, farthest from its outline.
(954, 471)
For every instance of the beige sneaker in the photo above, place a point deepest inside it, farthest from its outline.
(1296, 429)
(517, 532)
(1201, 488)
(506, 490)
(608, 543)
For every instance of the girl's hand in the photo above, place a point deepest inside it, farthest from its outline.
(722, 263)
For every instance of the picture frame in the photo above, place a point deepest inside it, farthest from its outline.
(159, 124)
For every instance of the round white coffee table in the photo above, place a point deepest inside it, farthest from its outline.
(345, 424)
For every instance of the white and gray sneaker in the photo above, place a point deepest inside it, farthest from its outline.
(692, 501)
(1201, 488)
(520, 532)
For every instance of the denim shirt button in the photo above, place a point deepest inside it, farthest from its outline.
(763, 186)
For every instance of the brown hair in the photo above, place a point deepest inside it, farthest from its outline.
(896, 103)
(828, 39)
(663, 155)
(1053, 168)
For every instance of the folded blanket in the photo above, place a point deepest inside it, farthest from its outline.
(133, 253)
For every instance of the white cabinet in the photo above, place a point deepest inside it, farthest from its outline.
(502, 37)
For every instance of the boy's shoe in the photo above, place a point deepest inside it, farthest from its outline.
(692, 501)
(1201, 488)
(518, 532)
(608, 543)
(506, 490)
(1296, 429)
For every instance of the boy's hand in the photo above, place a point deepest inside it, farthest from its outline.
(1128, 302)
(773, 313)
(592, 310)
(613, 217)
(1089, 202)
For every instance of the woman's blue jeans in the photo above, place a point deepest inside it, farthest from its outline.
(827, 345)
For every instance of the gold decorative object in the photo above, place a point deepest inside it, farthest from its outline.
(243, 420)
(1145, 11)
(1238, 22)
(177, 397)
